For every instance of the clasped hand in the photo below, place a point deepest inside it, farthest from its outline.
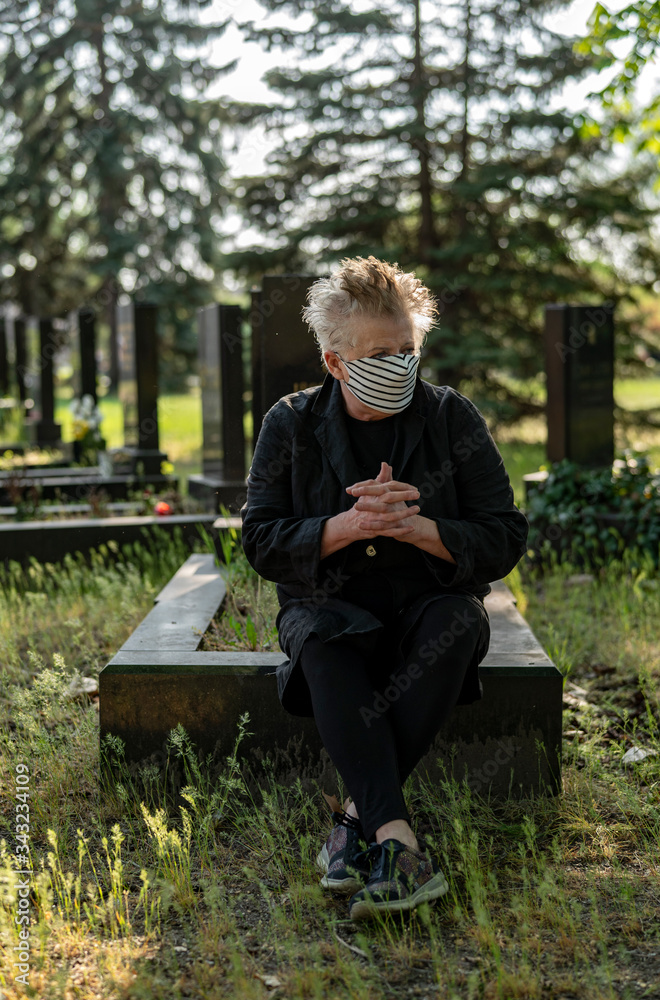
(381, 507)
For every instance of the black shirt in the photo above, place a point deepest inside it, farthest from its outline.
(372, 442)
(379, 581)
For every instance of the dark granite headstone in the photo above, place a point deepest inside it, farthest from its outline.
(285, 356)
(4, 359)
(579, 342)
(87, 349)
(221, 374)
(20, 357)
(48, 433)
(138, 382)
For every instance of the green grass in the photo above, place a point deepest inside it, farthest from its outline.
(548, 897)
(637, 394)
(179, 422)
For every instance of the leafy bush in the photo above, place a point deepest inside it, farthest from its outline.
(591, 515)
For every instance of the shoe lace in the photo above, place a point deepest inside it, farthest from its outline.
(381, 860)
(348, 821)
(369, 856)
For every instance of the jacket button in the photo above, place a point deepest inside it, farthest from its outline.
(371, 550)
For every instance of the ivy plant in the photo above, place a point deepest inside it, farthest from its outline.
(592, 515)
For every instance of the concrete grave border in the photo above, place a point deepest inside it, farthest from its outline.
(509, 743)
(50, 541)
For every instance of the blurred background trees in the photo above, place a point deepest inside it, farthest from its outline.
(436, 134)
(111, 159)
(432, 134)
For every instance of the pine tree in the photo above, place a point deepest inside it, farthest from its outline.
(426, 133)
(112, 167)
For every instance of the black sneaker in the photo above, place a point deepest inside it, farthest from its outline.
(343, 858)
(401, 878)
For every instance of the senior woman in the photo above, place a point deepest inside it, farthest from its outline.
(380, 506)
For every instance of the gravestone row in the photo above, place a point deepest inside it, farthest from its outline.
(579, 343)
(32, 371)
(283, 359)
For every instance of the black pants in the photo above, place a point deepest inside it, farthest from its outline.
(378, 714)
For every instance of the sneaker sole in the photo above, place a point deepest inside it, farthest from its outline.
(365, 908)
(338, 885)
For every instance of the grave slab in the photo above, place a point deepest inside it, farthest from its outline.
(52, 541)
(508, 743)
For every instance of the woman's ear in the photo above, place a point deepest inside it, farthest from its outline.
(334, 365)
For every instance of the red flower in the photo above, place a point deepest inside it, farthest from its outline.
(162, 508)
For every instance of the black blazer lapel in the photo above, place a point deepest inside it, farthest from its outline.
(409, 431)
(331, 433)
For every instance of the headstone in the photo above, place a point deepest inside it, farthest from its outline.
(579, 343)
(87, 350)
(221, 375)
(4, 359)
(20, 357)
(48, 433)
(285, 355)
(138, 382)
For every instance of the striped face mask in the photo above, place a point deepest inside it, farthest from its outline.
(385, 384)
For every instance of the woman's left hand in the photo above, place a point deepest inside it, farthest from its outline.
(369, 492)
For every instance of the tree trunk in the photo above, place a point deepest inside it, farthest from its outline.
(427, 235)
(107, 212)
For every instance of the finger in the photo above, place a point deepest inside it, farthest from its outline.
(397, 515)
(382, 506)
(385, 473)
(363, 482)
(392, 486)
(380, 478)
(384, 490)
(389, 529)
(377, 519)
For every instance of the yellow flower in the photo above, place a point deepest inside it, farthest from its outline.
(80, 428)
(166, 468)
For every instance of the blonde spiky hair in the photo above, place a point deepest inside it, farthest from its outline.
(366, 287)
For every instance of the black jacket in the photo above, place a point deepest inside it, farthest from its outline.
(301, 467)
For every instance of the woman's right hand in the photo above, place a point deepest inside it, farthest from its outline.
(385, 511)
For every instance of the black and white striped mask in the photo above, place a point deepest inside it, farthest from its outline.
(385, 384)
